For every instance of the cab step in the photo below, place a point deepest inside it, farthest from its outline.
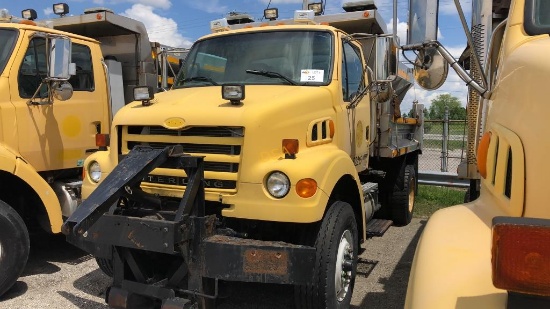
(377, 227)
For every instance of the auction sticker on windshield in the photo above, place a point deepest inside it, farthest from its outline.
(312, 75)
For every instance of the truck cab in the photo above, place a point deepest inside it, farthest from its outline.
(493, 252)
(48, 127)
(295, 122)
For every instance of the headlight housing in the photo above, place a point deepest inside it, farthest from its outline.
(277, 184)
(94, 171)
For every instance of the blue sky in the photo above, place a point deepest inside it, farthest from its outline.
(180, 22)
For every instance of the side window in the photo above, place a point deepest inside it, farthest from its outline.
(33, 70)
(352, 72)
(84, 78)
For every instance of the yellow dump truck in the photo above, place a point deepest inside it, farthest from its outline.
(493, 252)
(52, 117)
(266, 162)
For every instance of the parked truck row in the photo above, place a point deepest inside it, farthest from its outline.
(279, 149)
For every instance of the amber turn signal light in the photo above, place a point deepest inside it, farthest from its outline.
(290, 147)
(331, 128)
(102, 140)
(482, 151)
(306, 187)
(521, 255)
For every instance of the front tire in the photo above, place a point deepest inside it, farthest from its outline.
(14, 246)
(335, 263)
(106, 266)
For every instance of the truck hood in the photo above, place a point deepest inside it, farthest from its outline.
(204, 106)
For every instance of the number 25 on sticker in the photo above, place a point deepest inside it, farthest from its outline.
(312, 75)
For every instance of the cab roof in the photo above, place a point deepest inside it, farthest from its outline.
(39, 28)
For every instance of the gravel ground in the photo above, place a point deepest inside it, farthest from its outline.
(61, 276)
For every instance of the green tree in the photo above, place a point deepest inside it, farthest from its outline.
(437, 109)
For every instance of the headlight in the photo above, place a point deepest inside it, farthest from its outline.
(277, 184)
(94, 170)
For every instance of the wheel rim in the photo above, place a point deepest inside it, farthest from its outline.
(412, 191)
(344, 259)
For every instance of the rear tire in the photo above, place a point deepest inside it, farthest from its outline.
(14, 246)
(402, 200)
(335, 263)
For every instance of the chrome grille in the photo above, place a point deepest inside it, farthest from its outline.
(194, 148)
(221, 147)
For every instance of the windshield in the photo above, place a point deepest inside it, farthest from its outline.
(7, 41)
(537, 17)
(542, 12)
(275, 58)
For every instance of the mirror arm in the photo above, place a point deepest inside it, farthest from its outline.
(461, 72)
(482, 90)
(31, 102)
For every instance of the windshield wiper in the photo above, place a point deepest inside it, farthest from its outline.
(273, 75)
(200, 78)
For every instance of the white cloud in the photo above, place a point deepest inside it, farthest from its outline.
(160, 29)
(48, 11)
(161, 4)
(401, 30)
(209, 6)
(455, 51)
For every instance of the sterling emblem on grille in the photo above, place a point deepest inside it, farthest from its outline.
(174, 123)
(182, 181)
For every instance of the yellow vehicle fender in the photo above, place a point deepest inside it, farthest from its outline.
(326, 167)
(452, 264)
(28, 174)
(7, 160)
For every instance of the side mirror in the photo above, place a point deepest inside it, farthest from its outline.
(60, 59)
(422, 21)
(430, 69)
(62, 91)
(386, 58)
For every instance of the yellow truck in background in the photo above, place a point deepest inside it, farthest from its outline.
(51, 120)
(493, 252)
(266, 162)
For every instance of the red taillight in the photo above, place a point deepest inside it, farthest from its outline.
(521, 255)
(102, 140)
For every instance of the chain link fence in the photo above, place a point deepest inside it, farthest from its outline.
(444, 145)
